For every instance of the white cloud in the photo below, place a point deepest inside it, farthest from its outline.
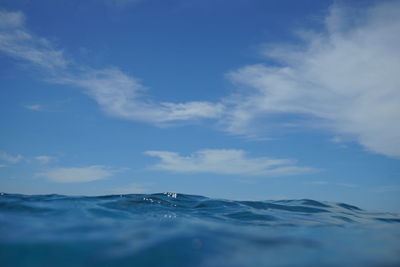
(347, 185)
(120, 95)
(226, 161)
(330, 183)
(317, 182)
(117, 93)
(44, 159)
(346, 78)
(35, 107)
(17, 42)
(12, 159)
(387, 189)
(77, 174)
(11, 19)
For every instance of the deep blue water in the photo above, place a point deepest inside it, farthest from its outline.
(185, 230)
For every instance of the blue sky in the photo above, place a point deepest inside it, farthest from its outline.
(231, 99)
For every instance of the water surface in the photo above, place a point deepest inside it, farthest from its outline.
(185, 230)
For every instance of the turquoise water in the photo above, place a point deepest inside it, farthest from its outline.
(186, 230)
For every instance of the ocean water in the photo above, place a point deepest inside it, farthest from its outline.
(185, 230)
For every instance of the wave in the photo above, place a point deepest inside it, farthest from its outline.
(170, 229)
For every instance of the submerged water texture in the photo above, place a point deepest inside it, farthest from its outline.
(185, 230)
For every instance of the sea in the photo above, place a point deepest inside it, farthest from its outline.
(172, 229)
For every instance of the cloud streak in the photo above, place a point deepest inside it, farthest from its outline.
(226, 161)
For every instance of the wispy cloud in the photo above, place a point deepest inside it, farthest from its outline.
(346, 78)
(120, 95)
(226, 161)
(14, 159)
(18, 42)
(331, 183)
(117, 93)
(35, 107)
(11, 159)
(347, 185)
(387, 189)
(77, 174)
(317, 182)
(45, 159)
